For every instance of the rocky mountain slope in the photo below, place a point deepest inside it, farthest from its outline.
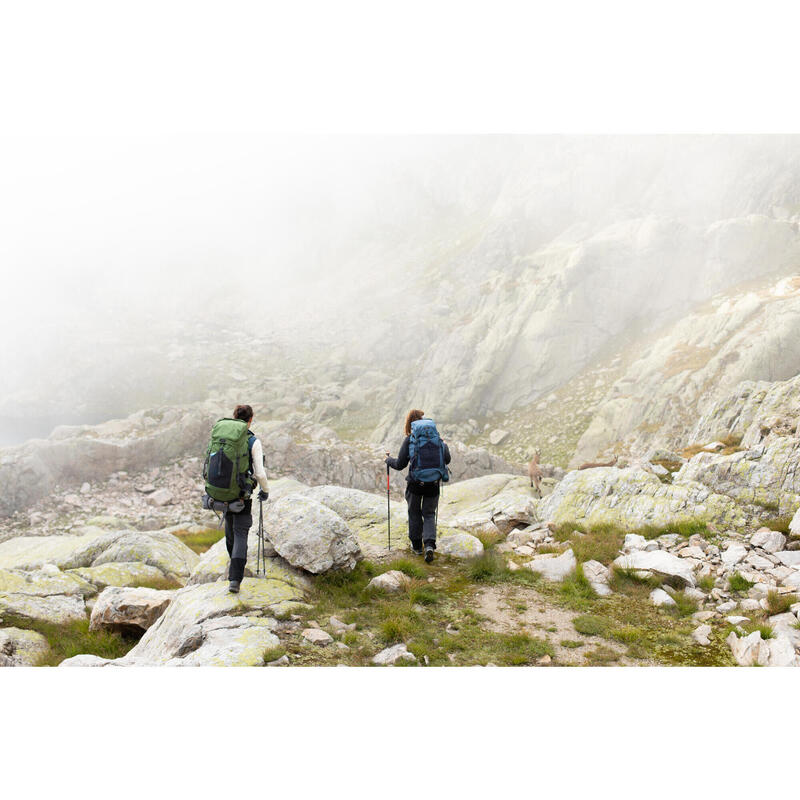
(670, 560)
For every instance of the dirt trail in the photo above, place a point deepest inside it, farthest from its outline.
(516, 609)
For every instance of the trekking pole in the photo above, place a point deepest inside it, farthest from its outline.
(261, 556)
(388, 508)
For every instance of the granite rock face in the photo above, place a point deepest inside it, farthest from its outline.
(634, 499)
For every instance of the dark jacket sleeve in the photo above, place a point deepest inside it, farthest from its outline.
(401, 462)
(446, 453)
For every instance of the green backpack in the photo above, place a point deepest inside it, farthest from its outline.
(227, 469)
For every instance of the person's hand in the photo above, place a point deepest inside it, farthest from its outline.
(262, 495)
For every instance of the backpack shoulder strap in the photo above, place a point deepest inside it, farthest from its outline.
(251, 440)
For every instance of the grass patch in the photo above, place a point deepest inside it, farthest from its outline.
(544, 549)
(576, 591)
(274, 653)
(684, 606)
(488, 538)
(780, 524)
(762, 627)
(739, 584)
(486, 568)
(405, 565)
(73, 639)
(202, 541)
(596, 543)
(424, 596)
(591, 625)
(627, 634)
(602, 541)
(571, 643)
(684, 528)
(731, 444)
(706, 583)
(601, 656)
(779, 603)
(341, 589)
(517, 649)
(625, 580)
(490, 567)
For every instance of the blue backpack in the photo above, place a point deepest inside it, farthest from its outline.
(426, 453)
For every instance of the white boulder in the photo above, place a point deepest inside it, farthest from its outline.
(733, 554)
(701, 635)
(789, 558)
(634, 541)
(392, 581)
(121, 609)
(459, 545)
(769, 540)
(311, 536)
(317, 636)
(598, 576)
(658, 597)
(391, 655)
(658, 561)
(21, 648)
(552, 567)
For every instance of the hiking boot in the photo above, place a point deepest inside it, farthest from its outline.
(234, 587)
(416, 549)
(428, 553)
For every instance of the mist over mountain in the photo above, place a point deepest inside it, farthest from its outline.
(471, 276)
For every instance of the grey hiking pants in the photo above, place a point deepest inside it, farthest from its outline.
(237, 526)
(422, 519)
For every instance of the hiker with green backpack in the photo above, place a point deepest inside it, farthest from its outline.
(428, 457)
(234, 466)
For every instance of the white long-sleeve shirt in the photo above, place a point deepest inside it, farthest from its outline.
(259, 473)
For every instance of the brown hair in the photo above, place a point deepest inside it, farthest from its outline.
(243, 412)
(413, 416)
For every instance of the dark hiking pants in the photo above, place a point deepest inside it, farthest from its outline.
(422, 519)
(237, 527)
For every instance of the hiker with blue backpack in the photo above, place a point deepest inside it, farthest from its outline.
(234, 466)
(428, 457)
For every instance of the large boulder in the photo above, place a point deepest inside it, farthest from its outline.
(459, 545)
(45, 594)
(505, 501)
(659, 562)
(761, 478)
(634, 500)
(365, 515)
(552, 567)
(213, 566)
(21, 648)
(752, 650)
(207, 625)
(32, 552)
(310, 536)
(126, 573)
(128, 610)
(156, 548)
(91, 546)
(768, 540)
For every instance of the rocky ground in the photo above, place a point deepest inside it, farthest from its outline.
(518, 579)
(687, 557)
